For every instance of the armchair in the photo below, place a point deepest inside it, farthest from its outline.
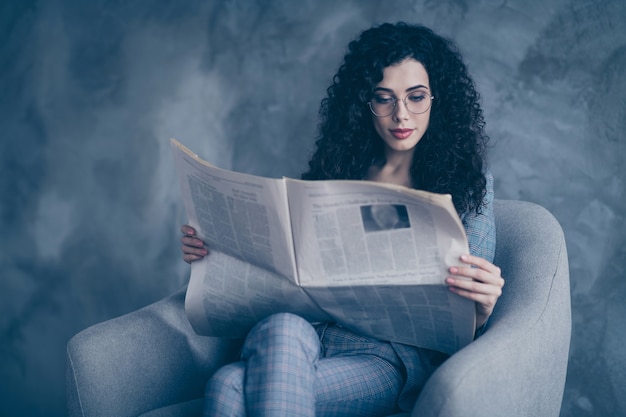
(150, 363)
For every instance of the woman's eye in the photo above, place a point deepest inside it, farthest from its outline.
(417, 97)
(383, 99)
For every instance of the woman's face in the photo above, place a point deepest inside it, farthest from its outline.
(402, 129)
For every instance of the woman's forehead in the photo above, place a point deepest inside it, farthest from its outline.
(404, 75)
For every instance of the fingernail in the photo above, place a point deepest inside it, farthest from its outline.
(450, 280)
(454, 270)
(464, 257)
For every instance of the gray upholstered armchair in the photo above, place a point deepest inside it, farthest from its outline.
(151, 363)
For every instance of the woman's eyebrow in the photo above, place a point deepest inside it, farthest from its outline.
(389, 90)
(416, 87)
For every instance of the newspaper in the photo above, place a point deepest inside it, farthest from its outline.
(369, 256)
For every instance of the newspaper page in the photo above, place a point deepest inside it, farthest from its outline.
(241, 215)
(375, 256)
(226, 296)
(372, 257)
(250, 272)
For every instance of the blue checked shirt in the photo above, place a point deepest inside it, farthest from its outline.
(481, 228)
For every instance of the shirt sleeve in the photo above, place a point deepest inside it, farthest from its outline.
(481, 228)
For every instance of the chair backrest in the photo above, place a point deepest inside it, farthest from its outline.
(531, 251)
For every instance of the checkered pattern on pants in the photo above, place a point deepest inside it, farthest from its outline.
(290, 368)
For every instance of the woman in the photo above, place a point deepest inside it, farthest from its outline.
(402, 109)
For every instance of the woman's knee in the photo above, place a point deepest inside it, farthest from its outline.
(224, 392)
(284, 331)
(228, 379)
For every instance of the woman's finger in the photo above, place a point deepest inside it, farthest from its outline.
(479, 275)
(191, 254)
(189, 258)
(192, 241)
(194, 250)
(188, 230)
(481, 263)
(482, 270)
(474, 287)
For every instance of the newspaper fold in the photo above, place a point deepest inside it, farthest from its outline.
(370, 256)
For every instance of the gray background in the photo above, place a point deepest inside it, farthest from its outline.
(90, 92)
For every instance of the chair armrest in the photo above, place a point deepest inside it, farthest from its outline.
(518, 367)
(144, 360)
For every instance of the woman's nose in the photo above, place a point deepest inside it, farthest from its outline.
(400, 112)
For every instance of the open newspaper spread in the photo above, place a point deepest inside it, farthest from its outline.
(370, 256)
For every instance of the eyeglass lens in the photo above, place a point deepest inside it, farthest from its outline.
(416, 102)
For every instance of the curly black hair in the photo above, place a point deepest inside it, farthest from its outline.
(450, 156)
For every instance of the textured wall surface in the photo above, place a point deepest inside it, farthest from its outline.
(90, 92)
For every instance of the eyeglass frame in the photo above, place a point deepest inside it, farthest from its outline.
(395, 100)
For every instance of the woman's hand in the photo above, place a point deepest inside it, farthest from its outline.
(193, 248)
(484, 287)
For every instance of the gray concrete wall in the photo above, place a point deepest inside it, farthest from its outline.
(90, 92)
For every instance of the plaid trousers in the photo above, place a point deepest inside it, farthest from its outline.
(291, 368)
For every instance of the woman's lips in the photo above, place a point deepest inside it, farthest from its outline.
(401, 133)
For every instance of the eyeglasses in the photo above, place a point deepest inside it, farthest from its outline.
(417, 102)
